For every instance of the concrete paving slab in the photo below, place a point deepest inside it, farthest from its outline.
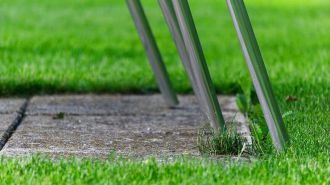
(5, 121)
(11, 105)
(9, 111)
(129, 125)
(118, 105)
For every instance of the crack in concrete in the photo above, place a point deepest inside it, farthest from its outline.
(13, 126)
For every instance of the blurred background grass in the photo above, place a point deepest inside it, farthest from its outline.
(81, 46)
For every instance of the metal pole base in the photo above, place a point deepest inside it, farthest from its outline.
(198, 65)
(258, 72)
(173, 24)
(152, 51)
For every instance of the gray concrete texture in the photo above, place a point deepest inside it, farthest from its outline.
(9, 112)
(94, 126)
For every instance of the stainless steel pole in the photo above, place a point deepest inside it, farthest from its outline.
(258, 72)
(152, 51)
(173, 24)
(198, 64)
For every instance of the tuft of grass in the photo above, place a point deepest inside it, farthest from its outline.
(251, 108)
(223, 143)
(59, 115)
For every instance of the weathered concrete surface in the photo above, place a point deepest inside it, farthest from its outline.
(8, 112)
(11, 105)
(97, 125)
(117, 105)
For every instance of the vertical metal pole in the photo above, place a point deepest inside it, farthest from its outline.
(258, 72)
(152, 51)
(173, 24)
(198, 64)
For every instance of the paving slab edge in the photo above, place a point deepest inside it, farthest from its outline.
(20, 114)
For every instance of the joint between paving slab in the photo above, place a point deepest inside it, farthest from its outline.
(15, 123)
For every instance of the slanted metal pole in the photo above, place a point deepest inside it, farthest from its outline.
(258, 72)
(198, 64)
(152, 51)
(173, 24)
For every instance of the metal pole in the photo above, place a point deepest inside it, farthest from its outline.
(198, 64)
(258, 72)
(152, 51)
(173, 24)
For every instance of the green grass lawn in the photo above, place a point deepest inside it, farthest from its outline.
(82, 46)
(273, 170)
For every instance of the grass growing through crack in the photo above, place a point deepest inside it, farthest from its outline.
(223, 143)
